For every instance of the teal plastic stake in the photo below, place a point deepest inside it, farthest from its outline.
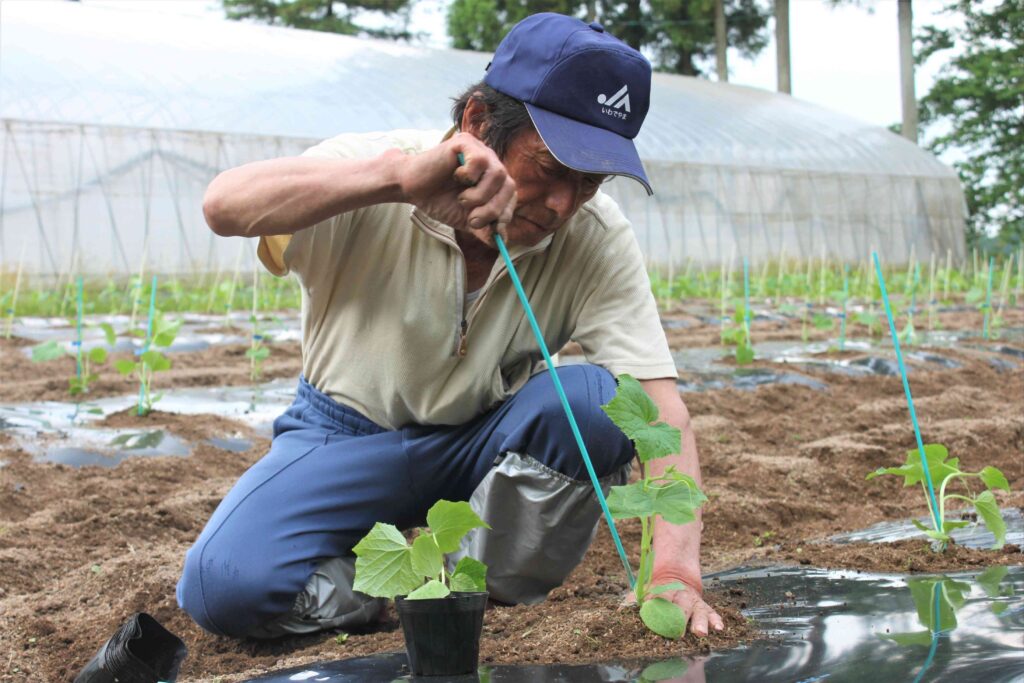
(846, 295)
(936, 628)
(79, 355)
(565, 401)
(565, 404)
(936, 515)
(988, 297)
(746, 299)
(149, 336)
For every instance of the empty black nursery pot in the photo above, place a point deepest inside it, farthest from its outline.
(140, 651)
(442, 635)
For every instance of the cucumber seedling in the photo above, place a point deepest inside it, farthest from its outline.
(945, 470)
(672, 495)
(150, 361)
(387, 566)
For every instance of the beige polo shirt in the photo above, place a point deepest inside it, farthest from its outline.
(385, 324)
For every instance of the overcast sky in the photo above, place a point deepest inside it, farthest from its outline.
(845, 58)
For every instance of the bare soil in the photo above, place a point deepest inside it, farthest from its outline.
(784, 467)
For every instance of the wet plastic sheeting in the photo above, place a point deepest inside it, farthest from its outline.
(258, 409)
(825, 625)
(107, 448)
(974, 536)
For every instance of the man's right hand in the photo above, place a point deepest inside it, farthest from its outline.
(473, 196)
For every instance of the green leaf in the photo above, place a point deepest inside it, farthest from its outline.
(744, 354)
(665, 618)
(990, 579)
(999, 607)
(258, 353)
(164, 331)
(913, 473)
(470, 576)
(994, 479)
(633, 411)
(665, 587)
(125, 366)
(949, 525)
(662, 671)
(430, 590)
(51, 350)
(916, 638)
(449, 522)
(427, 559)
(98, 355)
(384, 563)
(823, 322)
(630, 501)
(988, 510)
(678, 501)
(108, 333)
(156, 361)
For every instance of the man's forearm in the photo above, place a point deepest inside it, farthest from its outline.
(676, 547)
(283, 196)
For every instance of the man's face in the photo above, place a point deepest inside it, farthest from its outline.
(548, 194)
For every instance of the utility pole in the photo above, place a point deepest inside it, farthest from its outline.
(782, 46)
(906, 24)
(721, 42)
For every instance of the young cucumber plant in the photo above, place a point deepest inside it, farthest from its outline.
(78, 383)
(944, 470)
(150, 361)
(672, 495)
(738, 335)
(387, 566)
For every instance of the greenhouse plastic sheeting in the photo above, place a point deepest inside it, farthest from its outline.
(112, 123)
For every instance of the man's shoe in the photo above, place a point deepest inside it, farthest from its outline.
(140, 651)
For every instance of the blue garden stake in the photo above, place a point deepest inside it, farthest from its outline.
(565, 401)
(746, 299)
(936, 515)
(565, 404)
(988, 297)
(936, 628)
(842, 319)
(149, 335)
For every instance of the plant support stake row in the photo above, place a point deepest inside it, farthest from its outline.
(565, 404)
(78, 356)
(936, 515)
(846, 296)
(746, 299)
(149, 336)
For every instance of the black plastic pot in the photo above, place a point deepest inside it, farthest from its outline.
(442, 635)
(140, 651)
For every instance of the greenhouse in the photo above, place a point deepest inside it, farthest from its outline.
(787, 447)
(113, 125)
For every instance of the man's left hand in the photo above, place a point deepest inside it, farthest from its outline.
(699, 614)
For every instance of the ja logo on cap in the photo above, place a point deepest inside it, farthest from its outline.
(619, 100)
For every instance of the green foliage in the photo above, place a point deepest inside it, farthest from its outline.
(943, 471)
(332, 16)
(672, 495)
(80, 381)
(974, 110)
(150, 361)
(387, 566)
(679, 36)
(738, 334)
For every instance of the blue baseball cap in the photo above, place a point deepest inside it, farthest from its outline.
(587, 92)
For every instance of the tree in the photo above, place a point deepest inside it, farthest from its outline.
(332, 16)
(678, 35)
(975, 111)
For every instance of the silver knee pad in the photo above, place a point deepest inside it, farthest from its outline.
(542, 523)
(326, 602)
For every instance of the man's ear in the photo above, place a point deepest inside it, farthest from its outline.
(474, 117)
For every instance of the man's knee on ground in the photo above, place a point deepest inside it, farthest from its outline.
(225, 603)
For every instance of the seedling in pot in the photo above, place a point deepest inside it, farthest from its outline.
(672, 495)
(387, 566)
(945, 470)
(441, 613)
